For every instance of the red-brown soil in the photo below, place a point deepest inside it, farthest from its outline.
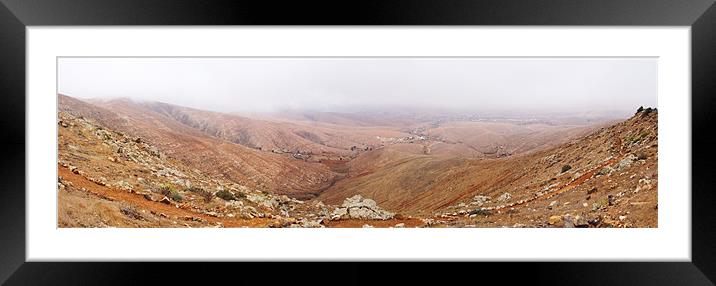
(137, 200)
(429, 173)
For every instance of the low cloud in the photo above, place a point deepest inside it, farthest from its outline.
(345, 84)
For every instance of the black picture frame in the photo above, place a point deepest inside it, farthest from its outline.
(16, 15)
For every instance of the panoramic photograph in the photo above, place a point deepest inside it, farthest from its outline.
(357, 142)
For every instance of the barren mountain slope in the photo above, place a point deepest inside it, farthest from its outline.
(111, 179)
(216, 157)
(278, 136)
(420, 184)
(507, 138)
(459, 173)
(364, 119)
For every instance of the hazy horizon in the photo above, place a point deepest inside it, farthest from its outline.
(615, 86)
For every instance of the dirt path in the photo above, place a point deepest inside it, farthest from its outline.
(139, 201)
(173, 211)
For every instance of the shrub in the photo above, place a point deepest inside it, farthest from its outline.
(174, 195)
(239, 195)
(170, 192)
(641, 155)
(226, 195)
(566, 168)
(203, 193)
(604, 171)
(634, 138)
(165, 189)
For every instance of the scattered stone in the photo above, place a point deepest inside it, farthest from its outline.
(591, 191)
(400, 225)
(644, 184)
(234, 205)
(626, 162)
(604, 171)
(165, 200)
(603, 203)
(480, 200)
(504, 197)
(212, 214)
(552, 205)
(367, 226)
(428, 221)
(280, 223)
(574, 221)
(357, 207)
(124, 185)
(568, 221)
(154, 152)
(131, 212)
(339, 213)
(480, 211)
(622, 218)
(555, 220)
(594, 221)
(580, 221)
(313, 224)
(193, 218)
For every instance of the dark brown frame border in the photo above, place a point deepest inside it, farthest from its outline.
(15, 15)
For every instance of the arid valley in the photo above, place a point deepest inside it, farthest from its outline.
(131, 163)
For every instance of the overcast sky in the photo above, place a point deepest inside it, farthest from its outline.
(344, 84)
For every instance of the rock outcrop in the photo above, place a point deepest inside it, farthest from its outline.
(357, 207)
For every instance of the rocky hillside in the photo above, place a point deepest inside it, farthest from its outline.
(614, 166)
(107, 172)
(131, 164)
(613, 183)
(266, 171)
(108, 178)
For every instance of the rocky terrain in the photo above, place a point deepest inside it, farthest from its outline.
(129, 164)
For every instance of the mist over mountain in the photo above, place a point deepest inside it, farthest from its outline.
(357, 142)
(499, 85)
(142, 163)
